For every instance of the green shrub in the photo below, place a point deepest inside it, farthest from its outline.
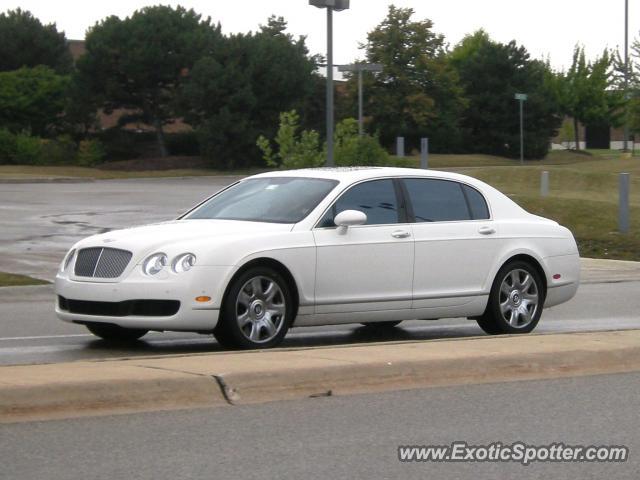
(294, 151)
(352, 149)
(90, 153)
(28, 150)
(58, 151)
(7, 146)
(402, 162)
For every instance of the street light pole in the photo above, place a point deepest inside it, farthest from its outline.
(330, 161)
(626, 75)
(359, 68)
(330, 5)
(360, 108)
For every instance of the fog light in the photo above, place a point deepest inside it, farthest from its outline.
(203, 298)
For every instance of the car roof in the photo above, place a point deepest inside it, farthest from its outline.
(501, 205)
(355, 174)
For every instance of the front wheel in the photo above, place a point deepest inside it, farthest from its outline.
(257, 310)
(516, 300)
(114, 333)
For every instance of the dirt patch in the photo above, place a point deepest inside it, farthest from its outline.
(156, 163)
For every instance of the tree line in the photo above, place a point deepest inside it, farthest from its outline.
(164, 64)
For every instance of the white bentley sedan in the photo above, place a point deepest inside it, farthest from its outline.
(323, 246)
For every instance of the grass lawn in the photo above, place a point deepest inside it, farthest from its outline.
(11, 280)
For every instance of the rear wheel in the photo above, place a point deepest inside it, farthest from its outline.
(516, 300)
(383, 325)
(114, 333)
(257, 310)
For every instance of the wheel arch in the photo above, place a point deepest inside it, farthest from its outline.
(275, 265)
(524, 257)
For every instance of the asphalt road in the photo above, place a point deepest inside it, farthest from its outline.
(30, 333)
(340, 437)
(40, 221)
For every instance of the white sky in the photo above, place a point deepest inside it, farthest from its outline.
(545, 27)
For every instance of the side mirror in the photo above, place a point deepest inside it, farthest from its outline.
(349, 218)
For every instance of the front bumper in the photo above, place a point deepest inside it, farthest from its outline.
(184, 288)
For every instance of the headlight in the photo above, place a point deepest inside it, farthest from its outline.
(67, 259)
(154, 263)
(183, 263)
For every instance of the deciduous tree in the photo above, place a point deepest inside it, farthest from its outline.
(418, 93)
(32, 100)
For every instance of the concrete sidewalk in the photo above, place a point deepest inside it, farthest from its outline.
(229, 378)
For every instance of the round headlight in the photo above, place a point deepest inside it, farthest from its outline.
(154, 263)
(68, 258)
(184, 262)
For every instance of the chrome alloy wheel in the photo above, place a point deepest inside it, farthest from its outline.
(519, 298)
(260, 309)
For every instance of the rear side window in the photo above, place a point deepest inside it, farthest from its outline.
(376, 198)
(437, 200)
(477, 203)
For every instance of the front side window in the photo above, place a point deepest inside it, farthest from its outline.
(376, 198)
(437, 200)
(268, 199)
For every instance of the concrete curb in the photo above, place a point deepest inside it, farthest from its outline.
(602, 270)
(88, 388)
(74, 389)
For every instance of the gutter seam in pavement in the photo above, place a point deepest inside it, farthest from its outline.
(229, 394)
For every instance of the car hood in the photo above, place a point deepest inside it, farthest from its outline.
(148, 238)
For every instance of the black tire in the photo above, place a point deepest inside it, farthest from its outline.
(383, 325)
(114, 333)
(228, 331)
(494, 321)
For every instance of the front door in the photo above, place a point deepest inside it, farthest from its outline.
(366, 267)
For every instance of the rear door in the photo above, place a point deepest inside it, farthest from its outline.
(455, 241)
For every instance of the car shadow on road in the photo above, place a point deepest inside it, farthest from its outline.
(297, 338)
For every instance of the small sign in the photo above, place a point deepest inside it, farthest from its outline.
(521, 96)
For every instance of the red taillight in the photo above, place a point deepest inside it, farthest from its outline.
(557, 276)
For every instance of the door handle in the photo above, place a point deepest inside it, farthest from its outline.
(400, 234)
(486, 230)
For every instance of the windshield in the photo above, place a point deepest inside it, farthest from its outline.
(269, 199)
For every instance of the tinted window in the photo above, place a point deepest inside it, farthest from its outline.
(268, 199)
(477, 203)
(437, 200)
(376, 198)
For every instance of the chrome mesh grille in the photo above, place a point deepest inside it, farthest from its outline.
(99, 262)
